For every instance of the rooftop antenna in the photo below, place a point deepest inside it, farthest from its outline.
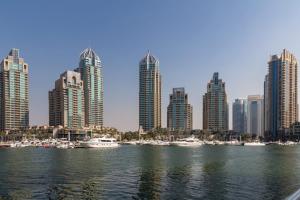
(90, 44)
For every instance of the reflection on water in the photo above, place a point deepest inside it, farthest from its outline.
(150, 174)
(281, 166)
(214, 174)
(178, 177)
(147, 172)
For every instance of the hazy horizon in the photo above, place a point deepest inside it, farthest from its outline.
(192, 40)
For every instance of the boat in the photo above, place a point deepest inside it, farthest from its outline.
(218, 142)
(129, 143)
(209, 142)
(159, 143)
(99, 143)
(65, 145)
(187, 142)
(255, 143)
(15, 144)
(234, 143)
(287, 143)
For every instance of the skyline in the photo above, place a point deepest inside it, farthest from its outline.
(251, 39)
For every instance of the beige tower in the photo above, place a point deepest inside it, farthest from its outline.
(66, 101)
(281, 94)
(14, 103)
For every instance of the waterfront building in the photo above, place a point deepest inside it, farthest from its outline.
(239, 115)
(215, 107)
(255, 117)
(180, 112)
(66, 102)
(149, 93)
(281, 94)
(90, 69)
(266, 108)
(14, 103)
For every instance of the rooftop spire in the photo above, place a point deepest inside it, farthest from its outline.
(89, 53)
(149, 59)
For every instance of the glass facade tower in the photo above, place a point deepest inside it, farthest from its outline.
(239, 115)
(90, 69)
(149, 93)
(215, 107)
(180, 113)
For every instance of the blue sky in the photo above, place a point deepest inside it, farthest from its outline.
(191, 38)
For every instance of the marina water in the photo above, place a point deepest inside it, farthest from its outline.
(150, 172)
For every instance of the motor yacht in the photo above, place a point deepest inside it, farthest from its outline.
(234, 143)
(99, 143)
(187, 142)
(255, 143)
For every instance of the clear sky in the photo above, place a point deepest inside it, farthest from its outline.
(191, 38)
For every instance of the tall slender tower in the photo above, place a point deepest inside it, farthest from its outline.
(90, 69)
(239, 115)
(281, 92)
(215, 107)
(66, 101)
(149, 93)
(267, 117)
(180, 112)
(255, 117)
(14, 103)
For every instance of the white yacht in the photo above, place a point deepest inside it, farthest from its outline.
(99, 143)
(255, 143)
(133, 142)
(233, 143)
(187, 142)
(160, 143)
(64, 144)
(287, 143)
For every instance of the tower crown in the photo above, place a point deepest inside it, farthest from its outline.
(149, 59)
(89, 53)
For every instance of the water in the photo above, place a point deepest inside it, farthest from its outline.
(148, 172)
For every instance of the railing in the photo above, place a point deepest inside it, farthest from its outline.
(294, 196)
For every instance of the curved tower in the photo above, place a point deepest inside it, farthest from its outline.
(90, 69)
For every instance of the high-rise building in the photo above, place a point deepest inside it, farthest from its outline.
(215, 107)
(14, 103)
(255, 116)
(266, 108)
(281, 94)
(180, 112)
(239, 115)
(149, 93)
(66, 101)
(90, 69)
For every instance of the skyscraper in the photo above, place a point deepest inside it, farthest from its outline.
(239, 115)
(255, 117)
(149, 93)
(215, 107)
(14, 103)
(180, 113)
(90, 69)
(281, 92)
(266, 112)
(66, 101)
